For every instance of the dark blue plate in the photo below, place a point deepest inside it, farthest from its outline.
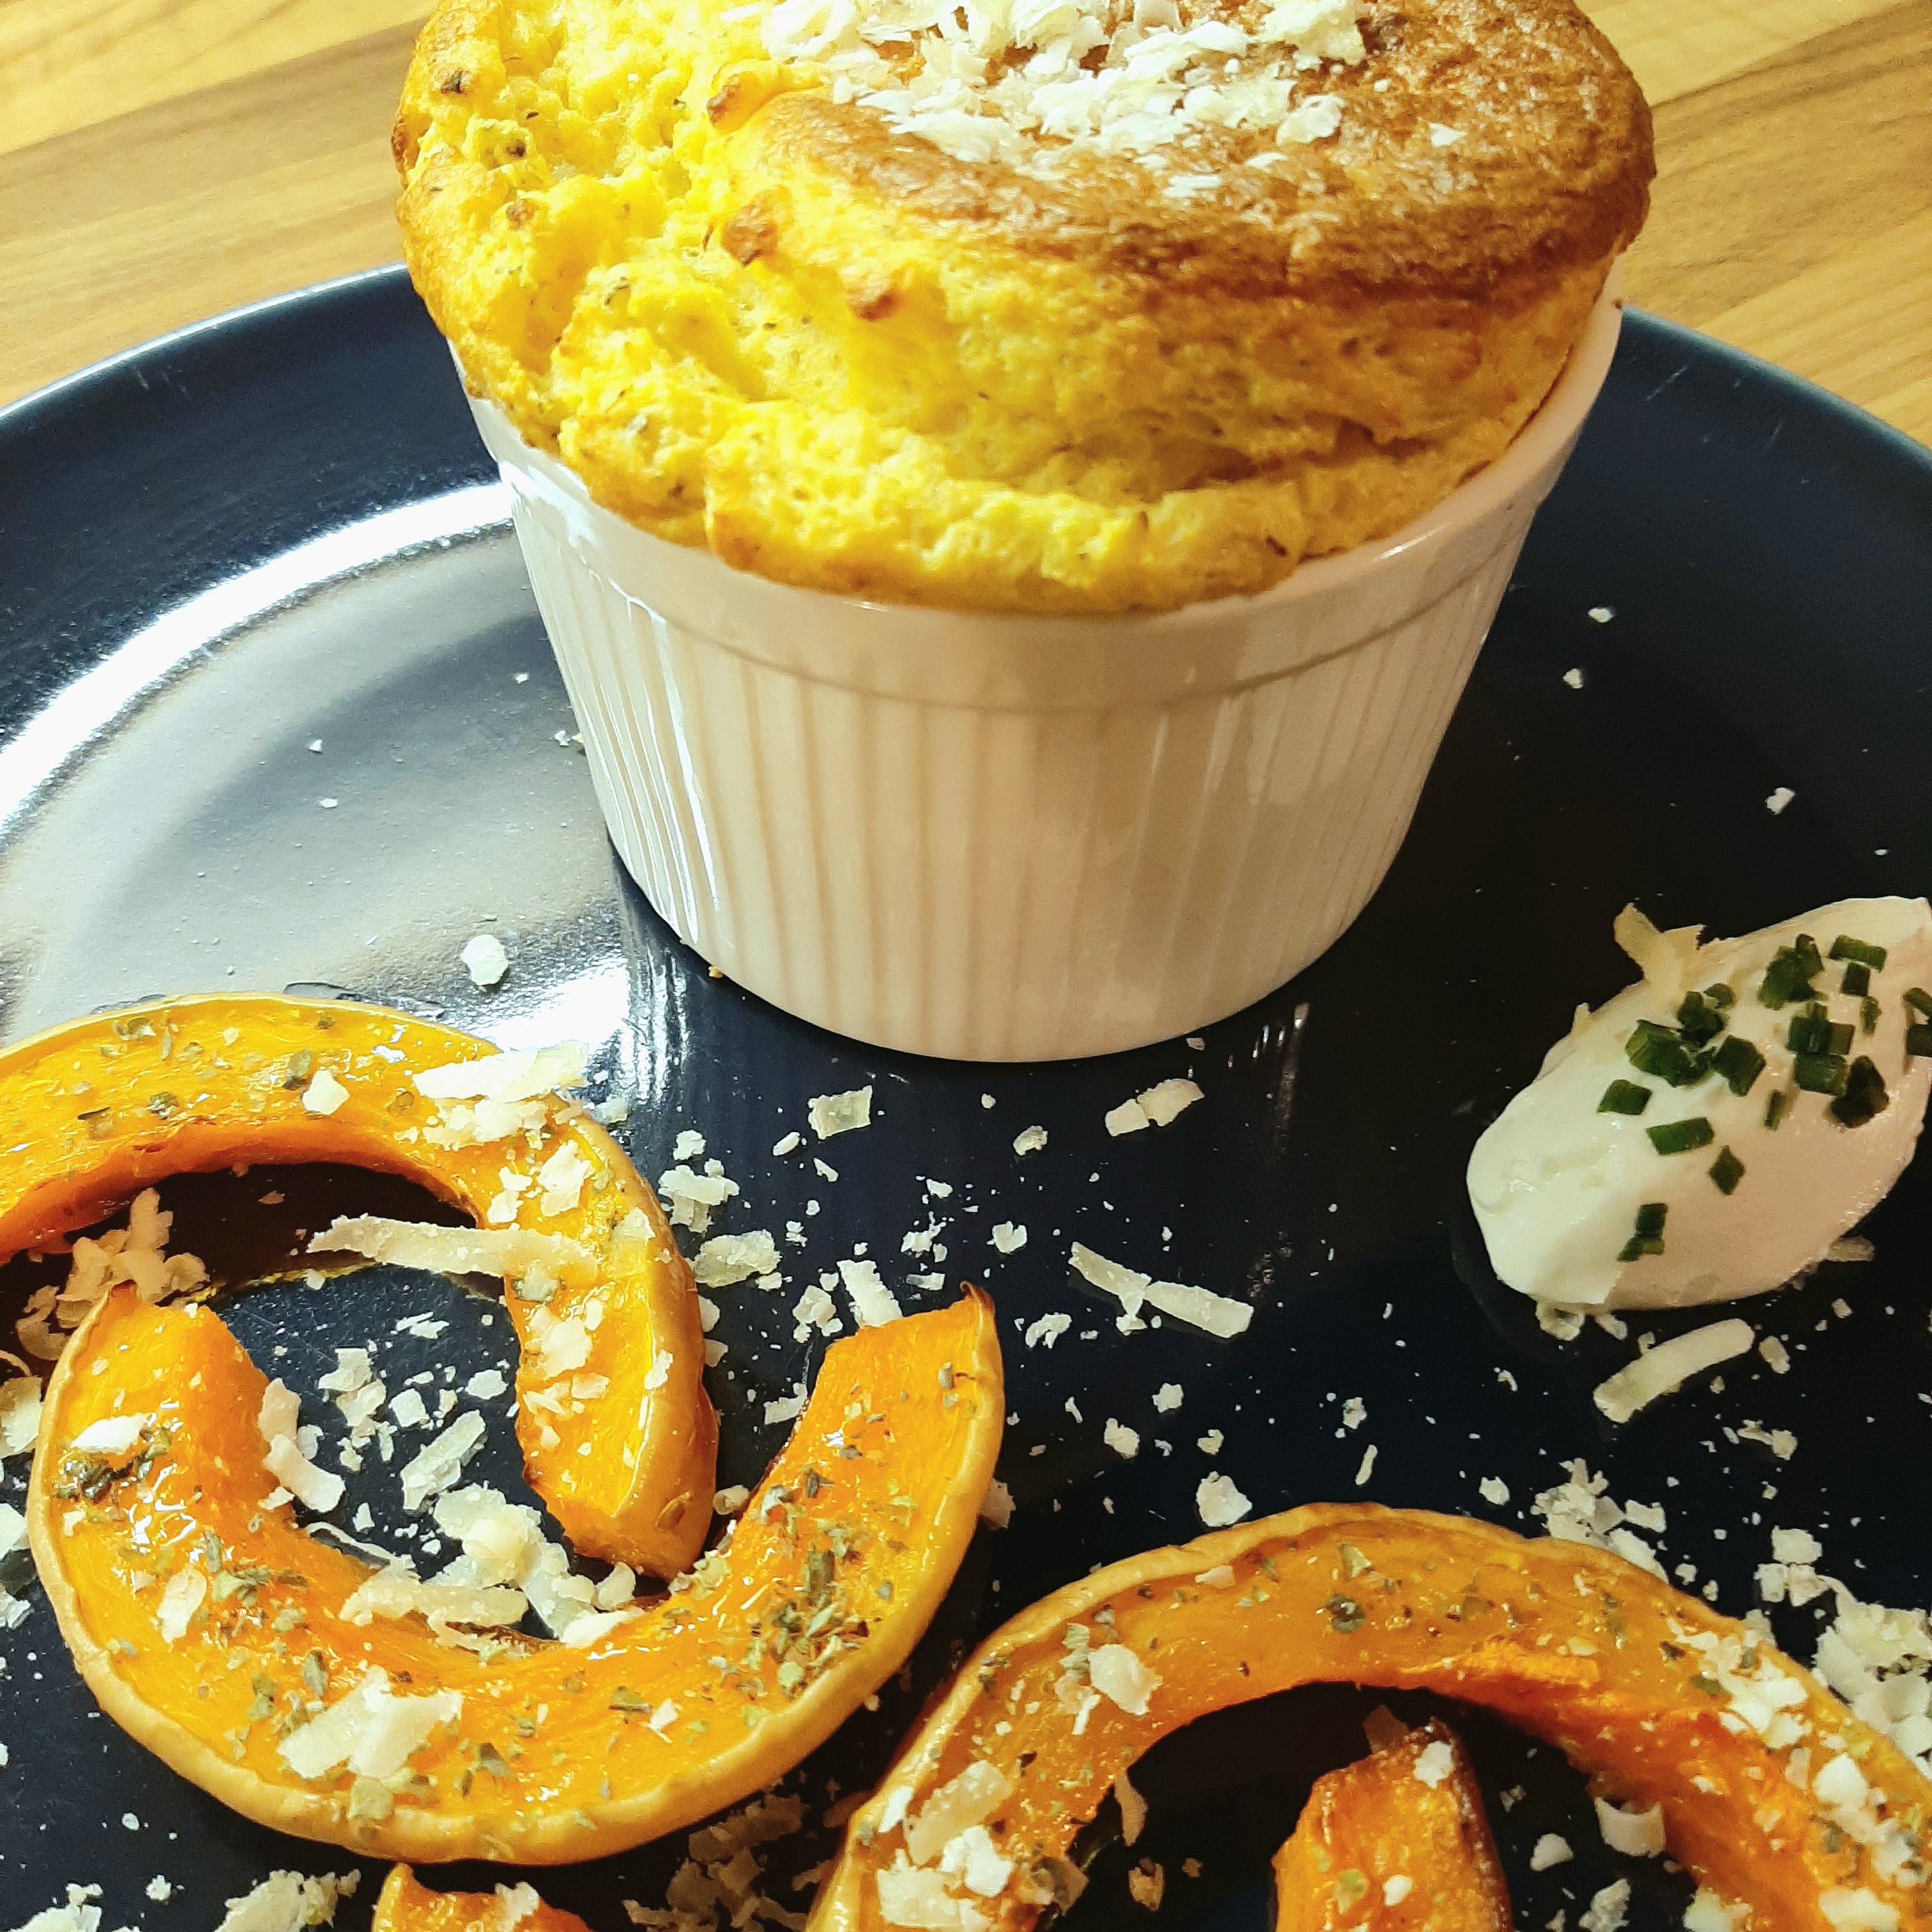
(278, 530)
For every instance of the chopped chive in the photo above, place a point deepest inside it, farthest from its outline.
(1806, 948)
(1739, 1063)
(1720, 996)
(1698, 1020)
(1920, 999)
(1857, 981)
(1774, 1107)
(1809, 1031)
(1841, 1041)
(1682, 1136)
(1624, 1097)
(1918, 1039)
(1865, 1097)
(1820, 1073)
(1789, 976)
(1726, 1171)
(1845, 947)
(1648, 1238)
(1656, 1050)
(1869, 1010)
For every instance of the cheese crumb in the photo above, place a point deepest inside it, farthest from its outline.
(286, 1901)
(1665, 1368)
(829, 1114)
(1047, 1330)
(727, 1259)
(1218, 1502)
(1167, 1398)
(1121, 1678)
(1029, 1140)
(1779, 799)
(1494, 1489)
(1635, 1835)
(1436, 1762)
(324, 1093)
(485, 960)
(1124, 1442)
(1008, 1236)
(1551, 1849)
(873, 1303)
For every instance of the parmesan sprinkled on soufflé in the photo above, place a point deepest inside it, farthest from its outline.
(1711, 1131)
(1085, 306)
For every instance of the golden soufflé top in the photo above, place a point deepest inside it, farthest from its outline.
(1082, 306)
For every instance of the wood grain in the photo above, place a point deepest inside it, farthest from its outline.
(161, 160)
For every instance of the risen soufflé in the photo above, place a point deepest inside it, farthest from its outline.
(1051, 305)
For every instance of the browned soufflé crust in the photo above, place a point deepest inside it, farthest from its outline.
(878, 306)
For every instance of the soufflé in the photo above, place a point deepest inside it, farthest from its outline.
(1045, 306)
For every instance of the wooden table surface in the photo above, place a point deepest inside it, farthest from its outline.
(161, 160)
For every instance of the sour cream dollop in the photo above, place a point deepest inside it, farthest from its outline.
(1567, 1189)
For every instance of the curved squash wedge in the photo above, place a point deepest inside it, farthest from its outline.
(1664, 1701)
(102, 1108)
(403, 1906)
(1397, 1842)
(378, 1737)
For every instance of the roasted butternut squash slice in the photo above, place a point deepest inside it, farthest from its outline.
(97, 1110)
(212, 1629)
(1397, 1842)
(1772, 1793)
(403, 1906)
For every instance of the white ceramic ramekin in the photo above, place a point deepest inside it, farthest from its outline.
(1000, 838)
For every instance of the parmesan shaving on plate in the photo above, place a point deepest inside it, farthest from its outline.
(1158, 1107)
(19, 1415)
(727, 1259)
(829, 1114)
(509, 1252)
(285, 1901)
(873, 1303)
(1199, 1307)
(1665, 1368)
(440, 1461)
(1636, 1834)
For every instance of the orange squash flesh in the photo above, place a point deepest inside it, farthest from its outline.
(558, 1754)
(1574, 1645)
(95, 1110)
(1375, 1828)
(403, 1906)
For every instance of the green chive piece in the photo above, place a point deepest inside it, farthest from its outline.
(1841, 1041)
(1698, 1020)
(1809, 1031)
(1844, 947)
(1682, 1136)
(1739, 1063)
(1857, 981)
(1865, 1097)
(1918, 1039)
(1656, 1050)
(1820, 1073)
(1624, 1097)
(1774, 1107)
(1920, 999)
(1726, 1171)
(1869, 1010)
(1720, 996)
(1648, 1238)
(1789, 975)
(1806, 948)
